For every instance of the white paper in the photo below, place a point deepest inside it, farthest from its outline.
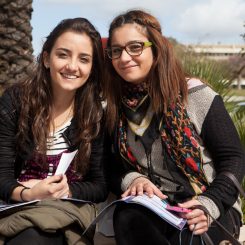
(65, 162)
(4, 207)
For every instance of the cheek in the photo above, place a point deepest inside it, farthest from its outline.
(114, 63)
(88, 70)
(148, 64)
(115, 66)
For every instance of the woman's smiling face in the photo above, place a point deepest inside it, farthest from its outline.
(134, 69)
(70, 61)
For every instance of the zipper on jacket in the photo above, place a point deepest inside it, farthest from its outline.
(150, 169)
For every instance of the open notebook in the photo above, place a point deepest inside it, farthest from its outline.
(169, 213)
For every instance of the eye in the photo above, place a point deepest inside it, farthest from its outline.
(62, 55)
(85, 59)
(116, 51)
(134, 47)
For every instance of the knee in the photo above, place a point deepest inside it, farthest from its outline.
(125, 214)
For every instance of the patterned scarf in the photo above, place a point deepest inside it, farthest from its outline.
(178, 137)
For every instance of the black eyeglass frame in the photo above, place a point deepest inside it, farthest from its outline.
(143, 45)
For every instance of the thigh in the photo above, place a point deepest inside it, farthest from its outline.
(35, 236)
(135, 224)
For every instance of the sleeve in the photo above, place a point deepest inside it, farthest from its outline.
(8, 129)
(129, 178)
(222, 141)
(116, 167)
(93, 186)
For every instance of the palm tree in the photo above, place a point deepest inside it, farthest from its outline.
(15, 40)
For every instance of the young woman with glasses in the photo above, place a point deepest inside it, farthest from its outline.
(171, 136)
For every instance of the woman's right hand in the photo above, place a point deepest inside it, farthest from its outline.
(143, 185)
(52, 187)
(30, 183)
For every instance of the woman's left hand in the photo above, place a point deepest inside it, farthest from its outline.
(196, 219)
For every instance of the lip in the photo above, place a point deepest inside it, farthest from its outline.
(69, 76)
(128, 67)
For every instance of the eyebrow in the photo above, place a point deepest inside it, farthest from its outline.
(129, 42)
(69, 51)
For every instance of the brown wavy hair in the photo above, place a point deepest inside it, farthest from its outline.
(36, 97)
(166, 77)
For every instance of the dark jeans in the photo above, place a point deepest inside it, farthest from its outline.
(35, 236)
(137, 225)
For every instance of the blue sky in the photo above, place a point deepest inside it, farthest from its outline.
(188, 21)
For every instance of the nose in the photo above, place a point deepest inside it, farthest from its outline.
(72, 65)
(125, 56)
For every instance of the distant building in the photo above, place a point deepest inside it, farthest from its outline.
(222, 52)
(217, 51)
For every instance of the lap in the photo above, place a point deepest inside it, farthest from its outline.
(130, 220)
(35, 236)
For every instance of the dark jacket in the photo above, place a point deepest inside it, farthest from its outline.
(93, 185)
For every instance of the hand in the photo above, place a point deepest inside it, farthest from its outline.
(143, 185)
(52, 187)
(30, 183)
(196, 219)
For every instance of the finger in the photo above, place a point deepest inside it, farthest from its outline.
(189, 203)
(133, 191)
(63, 193)
(158, 193)
(199, 228)
(139, 189)
(126, 193)
(64, 178)
(198, 219)
(57, 187)
(59, 194)
(63, 190)
(195, 213)
(54, 179)
(149, 191)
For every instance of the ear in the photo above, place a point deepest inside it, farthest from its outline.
(46, 59)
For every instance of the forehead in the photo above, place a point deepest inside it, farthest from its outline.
(127, 33)
(74, 41)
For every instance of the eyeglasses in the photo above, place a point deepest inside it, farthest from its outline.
(133, 49)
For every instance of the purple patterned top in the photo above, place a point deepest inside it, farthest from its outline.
(35, 169)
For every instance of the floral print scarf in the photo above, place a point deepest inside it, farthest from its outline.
(178, 137)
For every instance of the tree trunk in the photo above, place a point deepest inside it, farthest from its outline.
(15, 40)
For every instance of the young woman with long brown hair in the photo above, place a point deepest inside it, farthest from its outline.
(172, 137)
(57, 110)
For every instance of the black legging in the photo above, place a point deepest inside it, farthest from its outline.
(137, 225)
(35, 236)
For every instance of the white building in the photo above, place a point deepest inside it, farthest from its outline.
(217, 51)
(220, 52)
